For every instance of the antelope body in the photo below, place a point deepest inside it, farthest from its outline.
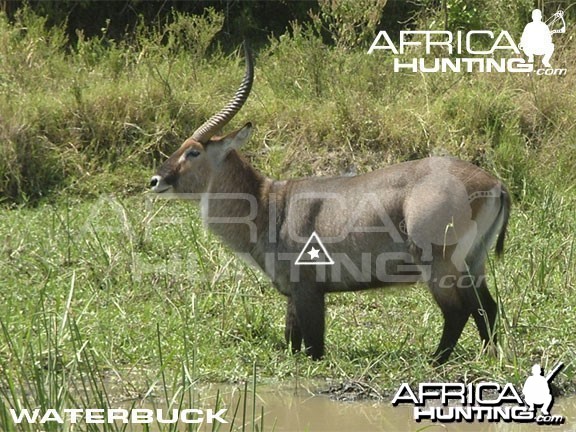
(432, 220)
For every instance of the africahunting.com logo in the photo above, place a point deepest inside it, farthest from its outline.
(466, 51)
(483, 401)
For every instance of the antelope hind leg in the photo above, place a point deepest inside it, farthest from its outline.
(484, 310)
(444, 287)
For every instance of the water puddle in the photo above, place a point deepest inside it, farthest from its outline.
(288, 408)
(305, 412)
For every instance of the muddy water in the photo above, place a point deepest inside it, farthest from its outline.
(319, 413)
(297, 409)
(305, 412)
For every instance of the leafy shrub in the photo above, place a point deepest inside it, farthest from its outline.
(97, 115)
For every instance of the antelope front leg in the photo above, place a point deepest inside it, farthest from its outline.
(292, 331)
(308, 304)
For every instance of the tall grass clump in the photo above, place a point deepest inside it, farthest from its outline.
(28, 160)
(56, 368)
(70, 112)
(74, 113)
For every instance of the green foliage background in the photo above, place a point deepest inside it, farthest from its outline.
(79, 103)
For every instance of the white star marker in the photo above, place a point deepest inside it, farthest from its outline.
(314, 253)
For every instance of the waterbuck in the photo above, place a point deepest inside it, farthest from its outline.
(432, 220)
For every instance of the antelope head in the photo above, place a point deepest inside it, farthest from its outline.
(191, 168)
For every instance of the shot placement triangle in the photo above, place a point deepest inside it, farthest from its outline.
(314, 253)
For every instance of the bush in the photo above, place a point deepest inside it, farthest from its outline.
(97, 115)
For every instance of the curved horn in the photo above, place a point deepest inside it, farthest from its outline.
(217, 121)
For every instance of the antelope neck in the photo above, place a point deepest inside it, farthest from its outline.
(235, 206)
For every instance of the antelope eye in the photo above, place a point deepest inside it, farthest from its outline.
(192, 153)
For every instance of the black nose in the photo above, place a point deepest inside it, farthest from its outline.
(153, 182)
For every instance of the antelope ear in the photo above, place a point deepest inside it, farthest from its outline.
(237, 139)
(220, 147)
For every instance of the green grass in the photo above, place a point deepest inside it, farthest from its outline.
(121, 268)
(98, 280)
